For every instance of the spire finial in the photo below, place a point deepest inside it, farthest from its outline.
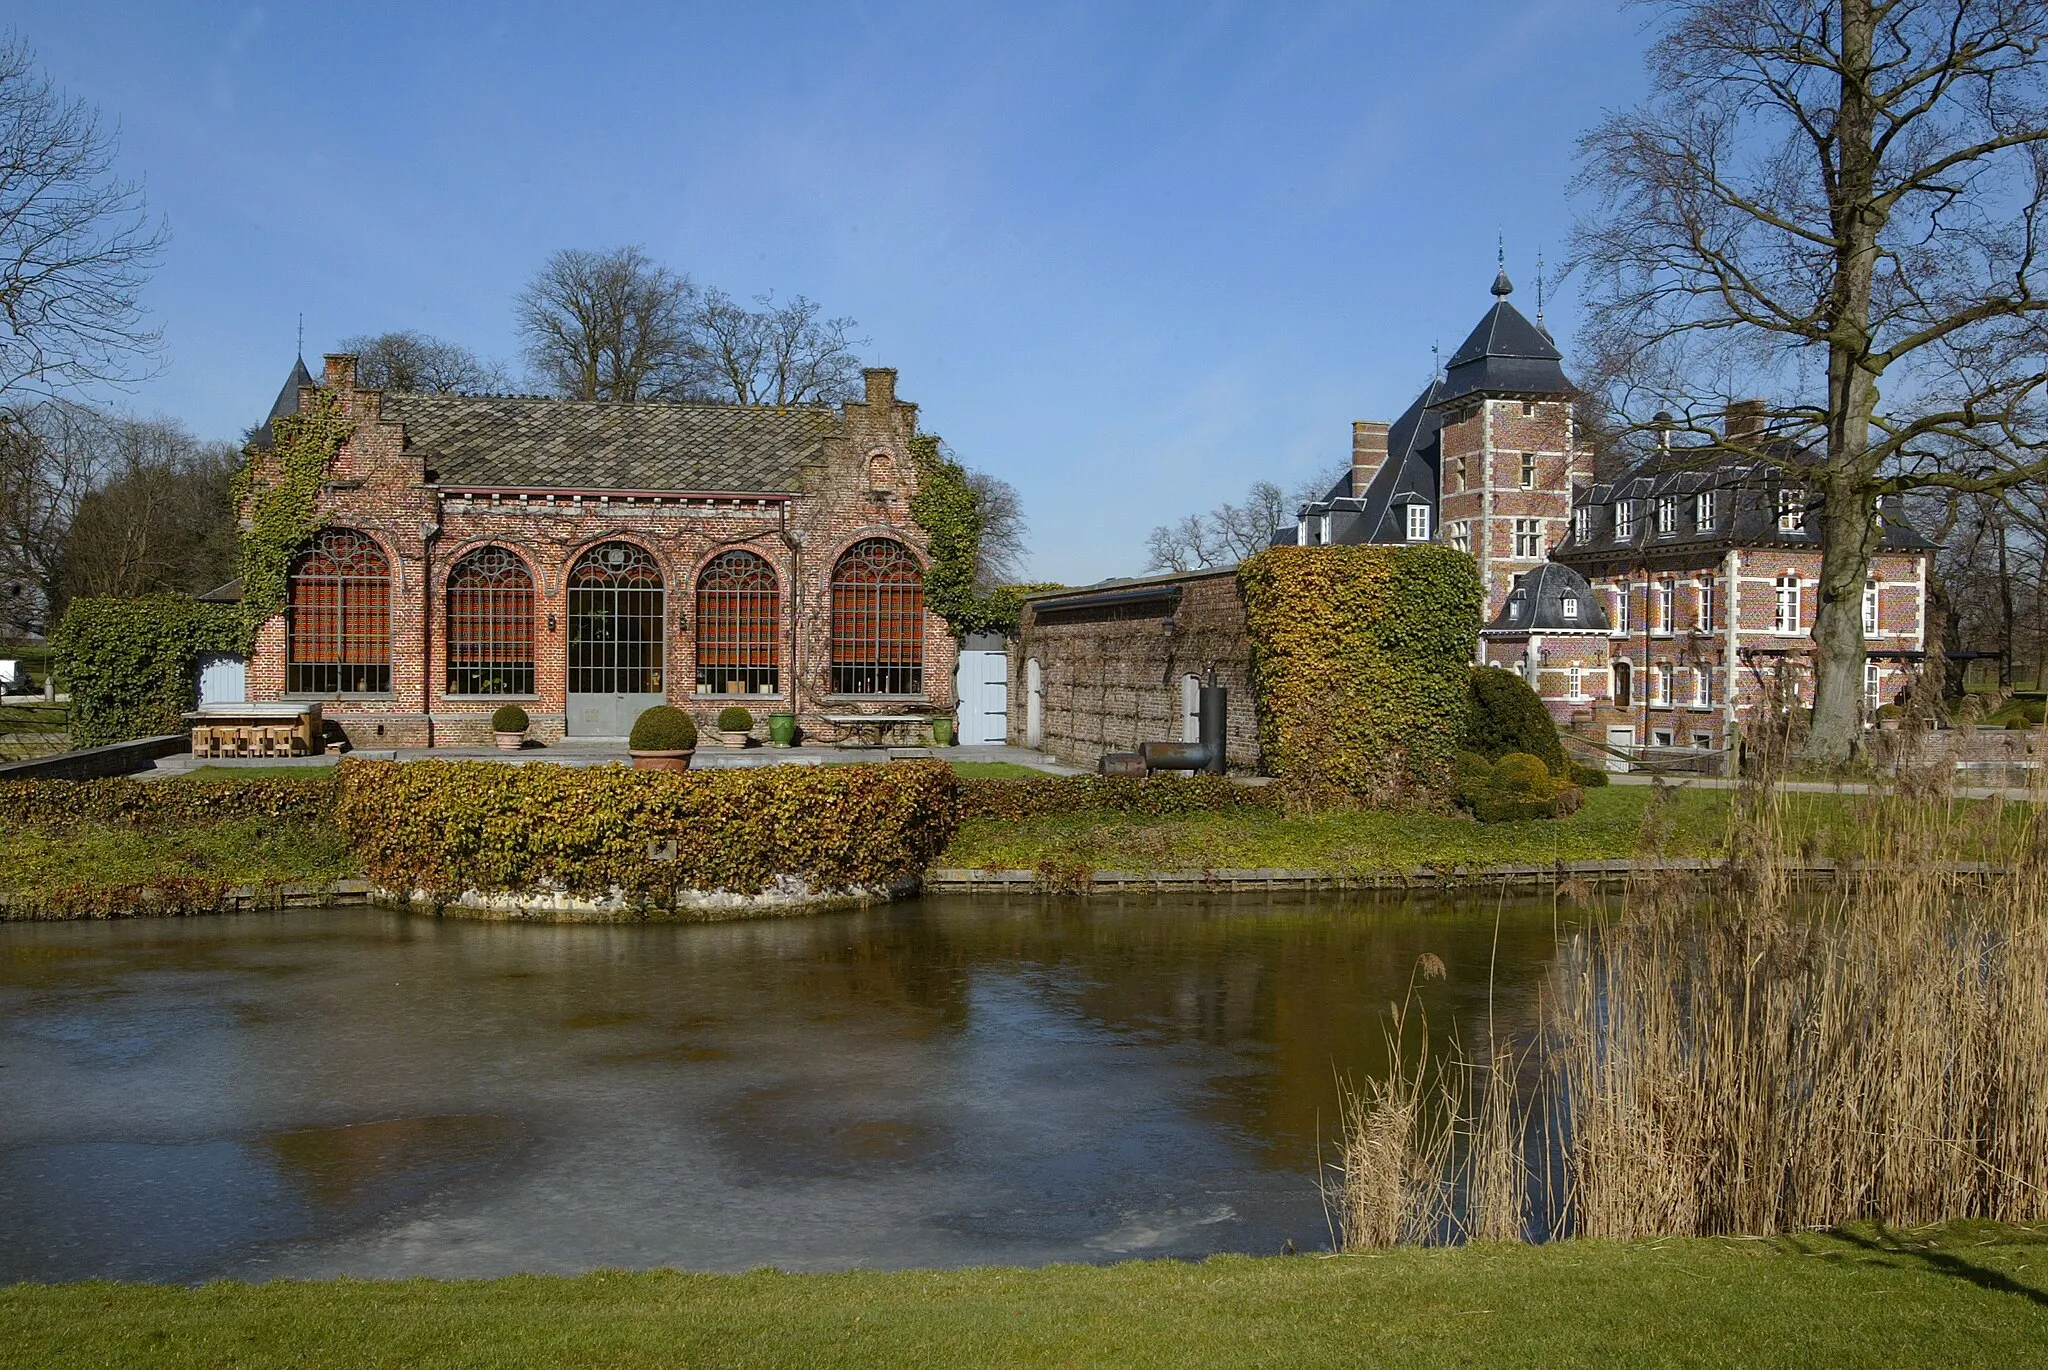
(302, 334)
(1436, 361)
(1502, 286)
(1539, 287)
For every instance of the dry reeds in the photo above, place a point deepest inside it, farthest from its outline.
(1744, 1056)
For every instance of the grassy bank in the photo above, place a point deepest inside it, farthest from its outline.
(1611, 826)
(99, 868)
(1966, 1295)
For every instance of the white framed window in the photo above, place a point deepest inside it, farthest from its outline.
(1870, 609)
(1324, 536)
(1575, 683)
(1785, 616)
(1305, 535)
(1621, 598)
(1568, 608)
(1624, 519)
(1791, 511)
(1529, 538)
(1515, 607)
(1667, 608)
(1702, 688)
(1706, 602)
(1582, 524)
(1667, 516)
(1418, 523)
(1461, 535)
(1873, 683)
(1703, 741)
(1660, 737)
(1704, 513)
(1528, 470)
(1660, 686)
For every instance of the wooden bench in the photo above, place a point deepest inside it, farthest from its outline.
(236, 731)
(874, 723)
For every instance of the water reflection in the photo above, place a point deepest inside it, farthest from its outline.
(934, 1083)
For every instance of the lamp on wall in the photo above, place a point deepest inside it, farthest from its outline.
(551, 623)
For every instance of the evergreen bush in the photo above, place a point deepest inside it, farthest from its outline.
(735, 718)
(1503, 715)
(663, 728)
(132, 665)
(509, 718)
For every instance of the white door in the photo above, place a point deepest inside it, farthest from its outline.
(1034, 705)
(1623, 739)
(1190, 708)
(223, 679)
(984, 681)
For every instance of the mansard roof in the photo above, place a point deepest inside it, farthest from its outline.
(532, 443)
(287, 403)
(1504, 355)
(1536, 604)
(1408, 476)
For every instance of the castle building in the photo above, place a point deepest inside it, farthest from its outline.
(1655, 609)
(589, 560)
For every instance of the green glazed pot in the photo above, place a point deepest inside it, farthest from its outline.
(942, 731)
(782, 729)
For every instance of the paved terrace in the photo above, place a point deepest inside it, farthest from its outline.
(601, 752)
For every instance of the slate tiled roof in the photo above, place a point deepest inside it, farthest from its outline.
(287, 403)
(1537, 604)
(521, 442)
(1409, 475)
(1505, 354)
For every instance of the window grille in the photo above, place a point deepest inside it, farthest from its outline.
(615, 621)
(490, 625)
(1704, 512)
(1870, 608)
(1418, 523)
(1786, 617)
(1667, 516)
(739, 623)
(338, 617)
(1568, 606)
(1624, 519)
(1528, 538)
(877, 621)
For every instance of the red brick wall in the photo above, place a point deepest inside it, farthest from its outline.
(379, 488)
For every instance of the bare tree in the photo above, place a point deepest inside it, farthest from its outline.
(407, 360)
(76, 241)
(1002, 531)
(1188, 545)
(785, 354)
(161, 518)
(1834, 204)
(1231, 532)
(607, 325)
(52, 454)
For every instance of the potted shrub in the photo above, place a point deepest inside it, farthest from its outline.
(735, 725)
(942, 730)
(782, 729)
(663, 739)
(1888, 718)
(508, 726)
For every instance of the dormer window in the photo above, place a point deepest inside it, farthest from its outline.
(1418, 523)
(1624, 519)
(1791, 512)
(1568, 608)
(1704, 514)
(1667, 516)
(1582, 524)
(1515, 607)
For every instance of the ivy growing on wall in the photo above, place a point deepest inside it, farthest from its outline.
(1359, 666)
(281, 498)
(132, 665)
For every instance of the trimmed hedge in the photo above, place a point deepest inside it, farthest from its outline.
(446, 827)
(1359, 664)
(1504, 715)
(1157, 796)
(1519, 786)
(177, 802)
(132, 665)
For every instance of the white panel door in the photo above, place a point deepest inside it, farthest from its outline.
(984, 679)
(223, 679)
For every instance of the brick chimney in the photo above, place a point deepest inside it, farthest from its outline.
(1742, 420)
(1368, 453)
(341, 371)
(881, 385)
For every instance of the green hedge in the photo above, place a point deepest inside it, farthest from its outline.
(1359, 661)
(1505, 715)
(132, 665)
(446, 827)
(1158, 796)
(177, 802)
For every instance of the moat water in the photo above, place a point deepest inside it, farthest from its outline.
(943, 1082)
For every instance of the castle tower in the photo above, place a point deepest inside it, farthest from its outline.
(1509, 453)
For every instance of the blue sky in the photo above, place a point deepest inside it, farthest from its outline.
(1131, 258)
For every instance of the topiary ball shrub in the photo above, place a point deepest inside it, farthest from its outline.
(663, 728)
(1523, 773)
(1588, 777)
(1520, 786)
(1504, 715)
(509, 718)
(734, 718)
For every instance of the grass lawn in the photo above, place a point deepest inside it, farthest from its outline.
(29, 728)
(36, 860)
(1609, 827)
(278, 770)
(1965, 1295)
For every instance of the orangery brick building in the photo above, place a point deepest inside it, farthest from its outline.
(589, 560)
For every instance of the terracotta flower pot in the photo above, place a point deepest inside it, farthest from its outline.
(510, 742)
(663, 761)
(733, 737)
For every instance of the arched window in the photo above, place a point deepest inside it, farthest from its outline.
(337, 617)
(615, 622)
(877, 620)
(739, 626)
(490, 625)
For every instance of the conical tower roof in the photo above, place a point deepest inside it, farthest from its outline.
(287, 403)
(1504, 355)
